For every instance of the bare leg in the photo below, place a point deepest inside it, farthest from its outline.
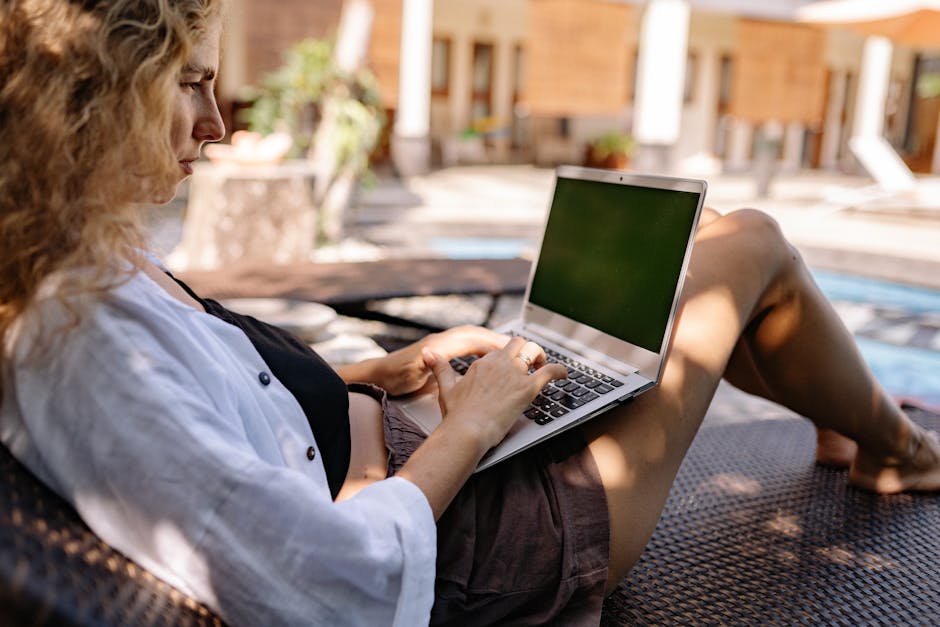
(832, 448)
(747, 284)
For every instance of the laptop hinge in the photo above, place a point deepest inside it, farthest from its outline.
(599, 357)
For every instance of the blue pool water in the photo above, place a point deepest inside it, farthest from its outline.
(909, 371)
(906, 370)
(857, 289)
(480, 247)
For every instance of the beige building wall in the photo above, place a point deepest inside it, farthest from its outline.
(711, 37)
(500, 23)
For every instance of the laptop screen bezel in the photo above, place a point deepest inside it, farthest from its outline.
(593, 343)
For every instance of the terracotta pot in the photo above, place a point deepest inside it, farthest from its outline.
(611, 161)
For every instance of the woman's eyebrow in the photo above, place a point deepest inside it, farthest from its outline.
(207, 73)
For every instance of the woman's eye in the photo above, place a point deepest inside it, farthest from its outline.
(191, 86)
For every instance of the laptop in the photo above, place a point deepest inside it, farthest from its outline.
(601, 298)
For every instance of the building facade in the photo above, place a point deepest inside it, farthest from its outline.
(700, 84)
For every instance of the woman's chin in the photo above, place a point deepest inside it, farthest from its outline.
(164, 195)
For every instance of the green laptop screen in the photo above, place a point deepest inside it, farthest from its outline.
(611, 257)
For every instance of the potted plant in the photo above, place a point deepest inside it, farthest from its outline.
(333, 115)
(612, 150)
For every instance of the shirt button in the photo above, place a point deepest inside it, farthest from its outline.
(311, 453)
(264, 377)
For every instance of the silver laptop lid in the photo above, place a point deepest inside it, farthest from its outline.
(611, 265)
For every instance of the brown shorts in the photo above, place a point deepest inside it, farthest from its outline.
(525, 541)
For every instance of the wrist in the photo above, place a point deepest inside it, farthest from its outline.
(472, 435)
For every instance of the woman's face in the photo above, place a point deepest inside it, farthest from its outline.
(196, 118)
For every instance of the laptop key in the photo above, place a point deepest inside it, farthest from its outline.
(544, 420)
(572, 402)
(533, 413)
(462, 364)
(542, 403)
(558, 412)
(602, 389)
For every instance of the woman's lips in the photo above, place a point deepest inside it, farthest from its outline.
(187, 167)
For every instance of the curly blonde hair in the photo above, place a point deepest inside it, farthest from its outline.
(85, 109)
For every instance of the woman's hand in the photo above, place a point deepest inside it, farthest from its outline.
(479, 408)
(405, 370)
(496, 389)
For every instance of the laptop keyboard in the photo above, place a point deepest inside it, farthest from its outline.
(556, 399)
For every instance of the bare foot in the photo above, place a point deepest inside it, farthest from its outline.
(834, 449)
(920, 470)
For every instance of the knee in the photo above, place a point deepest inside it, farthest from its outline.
(761, 229)
(754, 221)
(708, 216)
(763, 241)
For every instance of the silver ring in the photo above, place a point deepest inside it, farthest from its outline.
(525, 359)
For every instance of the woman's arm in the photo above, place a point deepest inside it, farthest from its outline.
(177, 452)
(479, 409)
(405, 370)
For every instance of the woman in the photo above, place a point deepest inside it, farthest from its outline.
(225, 457)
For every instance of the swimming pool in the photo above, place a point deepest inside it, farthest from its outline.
(897, 329)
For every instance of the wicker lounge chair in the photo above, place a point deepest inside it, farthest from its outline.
(755, 533)
(751, 534)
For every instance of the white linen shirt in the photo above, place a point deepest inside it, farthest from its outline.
(154, 420)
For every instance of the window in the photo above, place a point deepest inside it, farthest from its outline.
(691, 70)
(440, 67)
(482, 98)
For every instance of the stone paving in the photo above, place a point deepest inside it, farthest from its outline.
(890, 240)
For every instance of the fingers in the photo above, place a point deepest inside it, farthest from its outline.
(550, 372)
(531, 354)
(466, 340)
(439, 367)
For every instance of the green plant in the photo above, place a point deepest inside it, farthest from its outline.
(928, 85)
(612, 143)
(292, 99)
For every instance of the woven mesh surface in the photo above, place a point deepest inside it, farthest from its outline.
(754, 532)
(55, 571)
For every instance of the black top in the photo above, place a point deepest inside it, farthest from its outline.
(320, 392)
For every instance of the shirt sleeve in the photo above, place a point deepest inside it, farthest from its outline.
(144, 429)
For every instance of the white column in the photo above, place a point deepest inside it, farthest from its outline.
(793, 142)
(709, 80)
(872, 88)
(233, 74)
(660, 80)
(411, 141)
(502, 97)
(935, 164)
(355, 29)
(461, 82)
(832, 127)
(738, 154)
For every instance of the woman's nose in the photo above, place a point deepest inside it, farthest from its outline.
(209, 126)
